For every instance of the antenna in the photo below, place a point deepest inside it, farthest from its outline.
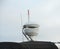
(28, 16)
(21, 27)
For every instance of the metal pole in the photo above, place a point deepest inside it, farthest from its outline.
(25, 34)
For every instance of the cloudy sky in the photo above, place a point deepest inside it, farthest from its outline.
(46, 13)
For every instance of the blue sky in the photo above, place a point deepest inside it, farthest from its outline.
(46, 13)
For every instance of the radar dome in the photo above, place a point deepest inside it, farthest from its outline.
(31, 29)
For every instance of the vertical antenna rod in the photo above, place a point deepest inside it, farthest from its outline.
(28, 16)
(21, 27)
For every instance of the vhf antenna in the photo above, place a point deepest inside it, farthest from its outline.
(28, 16)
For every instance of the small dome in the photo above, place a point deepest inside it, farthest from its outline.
(31, 29)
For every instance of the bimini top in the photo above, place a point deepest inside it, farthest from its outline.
(28, 45)
(31, 26)
(38, 45)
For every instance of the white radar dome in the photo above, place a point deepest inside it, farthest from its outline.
(31, 29)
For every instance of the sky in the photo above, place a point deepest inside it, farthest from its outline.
(46, 13)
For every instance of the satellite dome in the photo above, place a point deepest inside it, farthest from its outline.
(31, 29)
